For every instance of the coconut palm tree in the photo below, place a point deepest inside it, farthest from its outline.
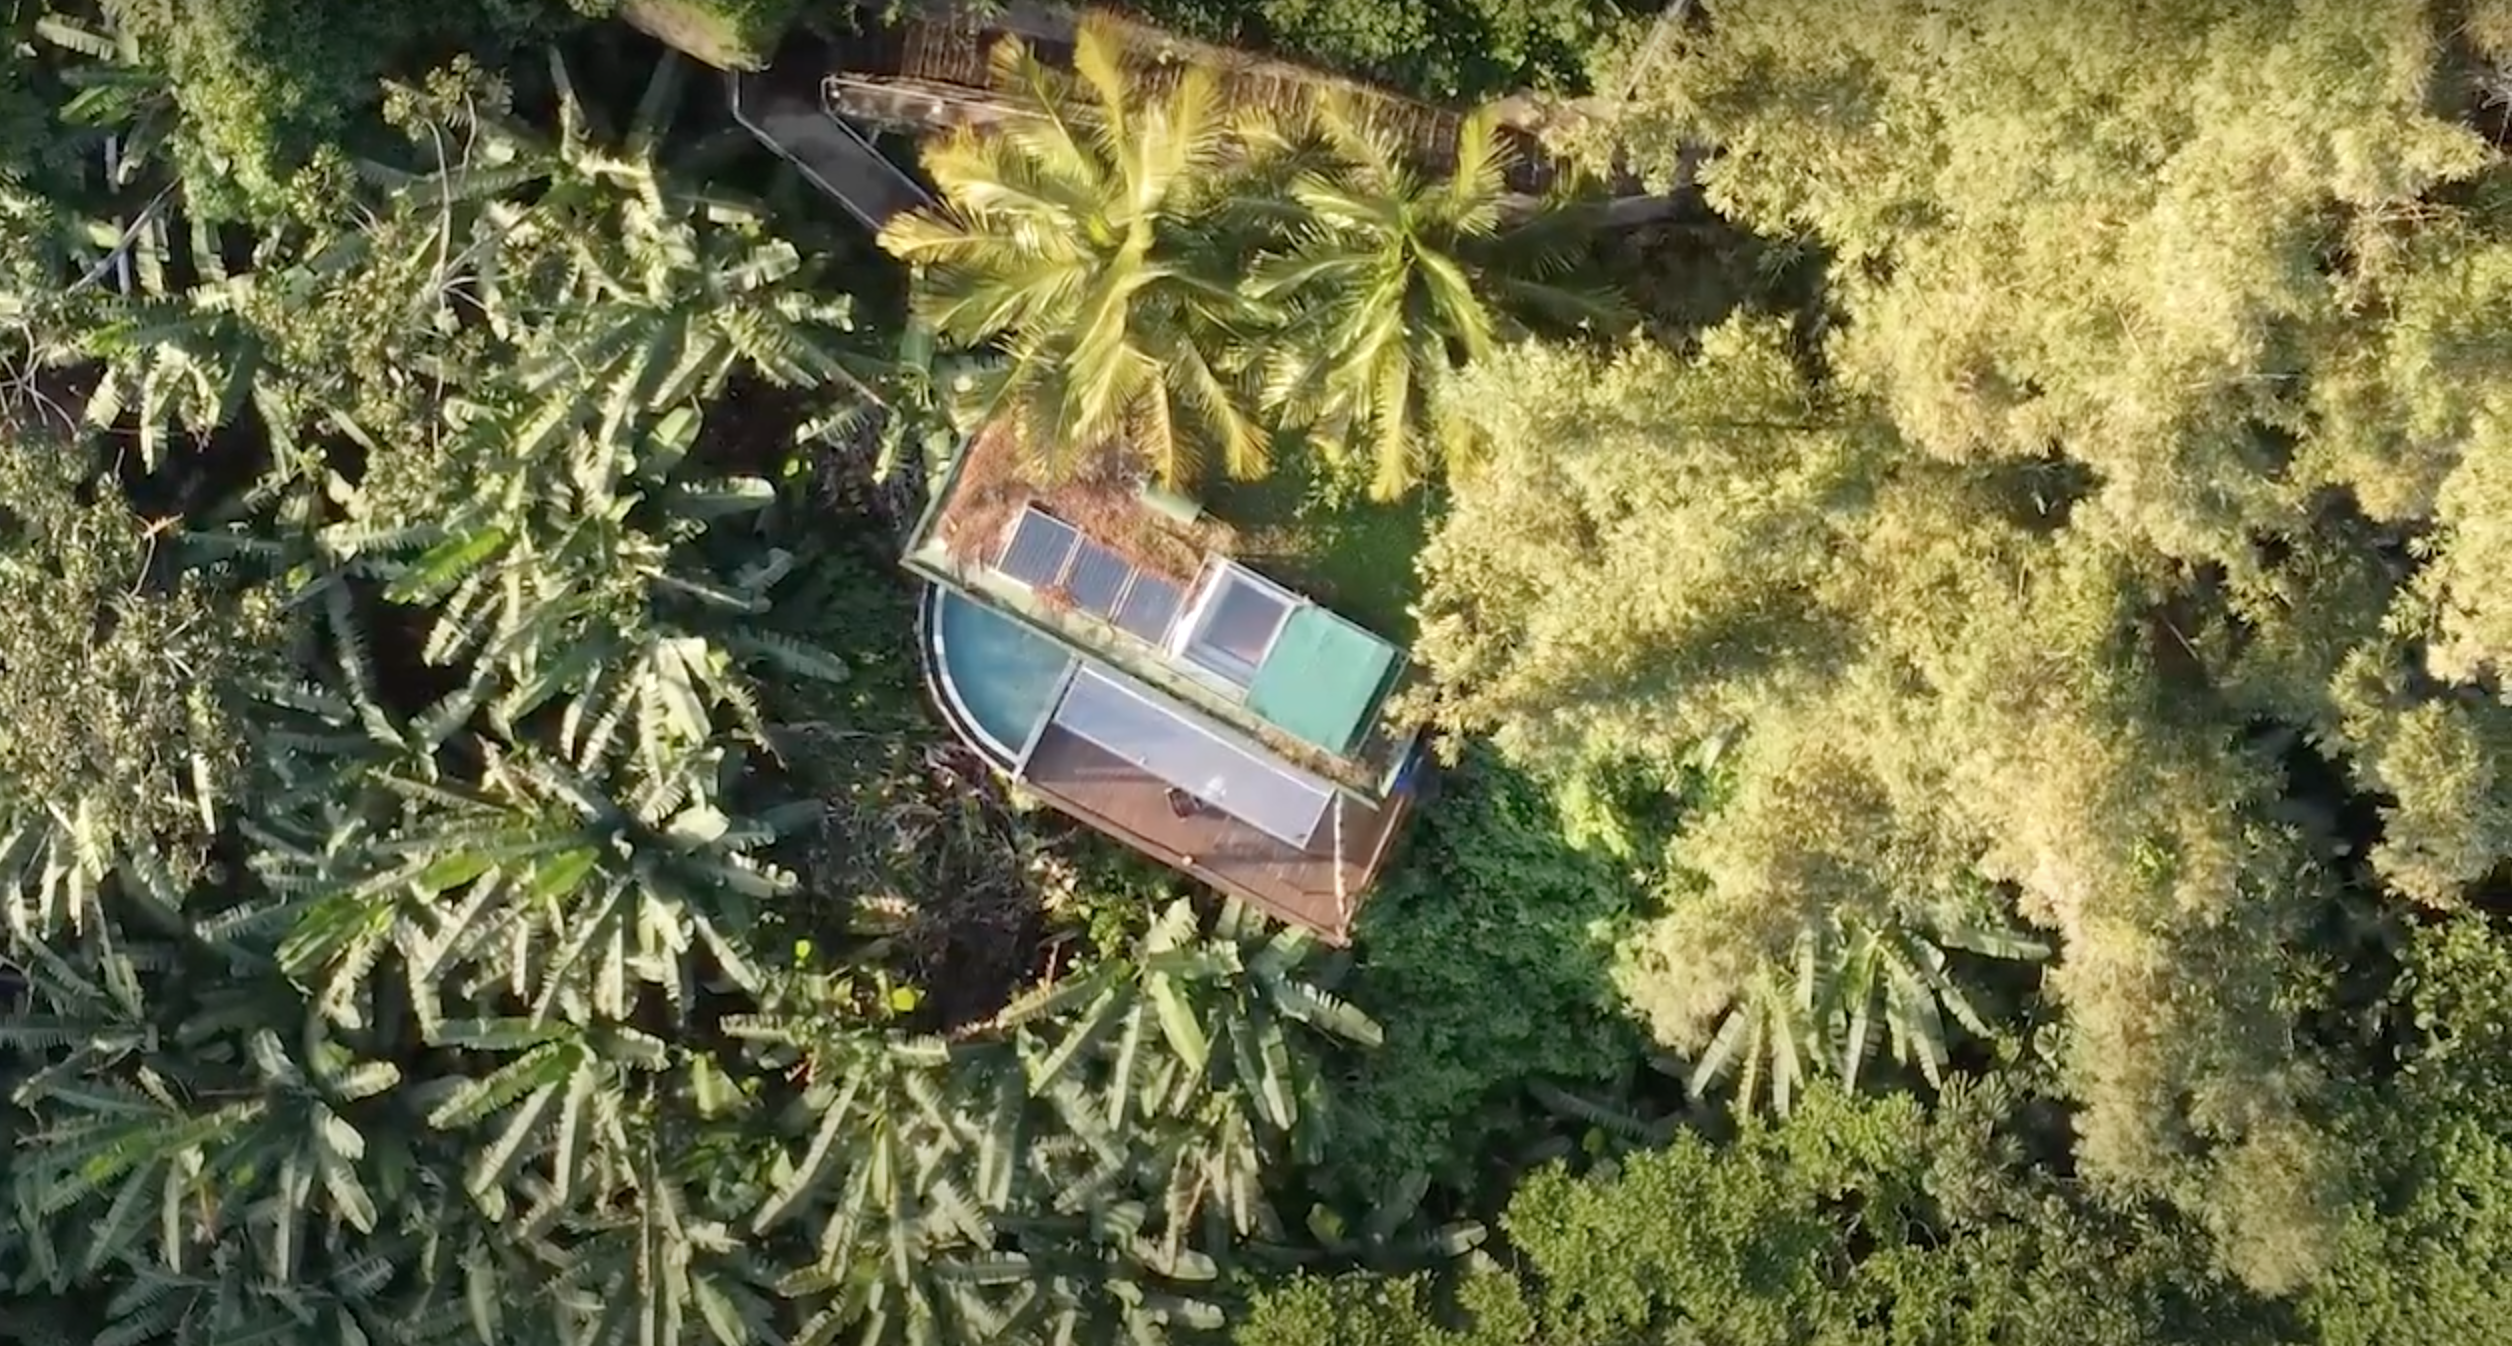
(1072, 236)
(1386, 276)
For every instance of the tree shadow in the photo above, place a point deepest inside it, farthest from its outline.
(1486, 957)
(1303, 526)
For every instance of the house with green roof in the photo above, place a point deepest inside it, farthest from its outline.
(1099, 644)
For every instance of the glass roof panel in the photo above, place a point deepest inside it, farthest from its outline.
(1235, 623)
(1149, 607)
(1097, 579)
(1237, 778)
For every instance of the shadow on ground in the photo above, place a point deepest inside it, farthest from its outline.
(1486, 957)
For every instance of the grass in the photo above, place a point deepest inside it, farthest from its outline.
(1351, 553)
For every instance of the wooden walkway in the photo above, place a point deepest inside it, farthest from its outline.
(783, 108)
(930, 71)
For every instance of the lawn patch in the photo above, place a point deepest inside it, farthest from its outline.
(1351, 553)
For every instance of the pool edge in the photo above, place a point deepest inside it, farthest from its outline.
(938, 685)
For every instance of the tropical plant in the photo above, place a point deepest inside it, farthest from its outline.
(900, 1181)
(1392, 1238)
(1071, 1164)
(1383, 277)
(657, 286)
(1851, 981)
(196, 1111)
(578, 583)
(557, 1108)
(1768, 1038)
(1070, 234)
(170, 358)
(533, 878)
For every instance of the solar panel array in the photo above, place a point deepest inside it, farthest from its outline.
(1097, 579)
(1045, 552)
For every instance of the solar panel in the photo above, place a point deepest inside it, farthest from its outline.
(1243, 782)
(1149, 607)
(1097, 579)
(1036, 551)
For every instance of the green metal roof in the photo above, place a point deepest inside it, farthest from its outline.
(1322, 679)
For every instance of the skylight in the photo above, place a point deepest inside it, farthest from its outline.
(1194, 756)
(1234, 623)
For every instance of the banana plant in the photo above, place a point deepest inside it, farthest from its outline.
(1096, 1278)
(169, 357)
(1188, 1051)
(566, 893)
(223, 1125)
(1768, 1041)
(354, 1292)
(906, 1156)
(562, 567)
(649, 1266)
(641, 290)
(1895, 982)
(556, 1103)
(1852, 981)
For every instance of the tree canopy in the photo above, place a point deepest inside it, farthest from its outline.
(2087, 561)
(1969, 795)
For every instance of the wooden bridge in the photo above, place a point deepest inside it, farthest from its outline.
(928, 71)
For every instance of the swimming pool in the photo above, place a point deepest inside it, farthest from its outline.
(999, 676)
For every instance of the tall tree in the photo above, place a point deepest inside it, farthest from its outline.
(1384, 275)
(1920, 680)
(1071, 235)
(2097, 229)
(2431, 1219)
(1755, 1243)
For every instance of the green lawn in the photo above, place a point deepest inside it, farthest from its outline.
(1353, 554)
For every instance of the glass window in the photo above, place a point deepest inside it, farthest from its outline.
(1237, 625)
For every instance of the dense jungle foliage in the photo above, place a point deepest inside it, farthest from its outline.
(1969, 654)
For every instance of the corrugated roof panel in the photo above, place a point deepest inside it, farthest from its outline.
(1150, 607)
(1097, 579)
(1169, 744)
(1036, 551)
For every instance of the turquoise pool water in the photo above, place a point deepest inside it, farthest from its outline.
(1002, 675)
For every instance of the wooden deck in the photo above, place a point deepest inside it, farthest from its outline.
(1298, 886)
